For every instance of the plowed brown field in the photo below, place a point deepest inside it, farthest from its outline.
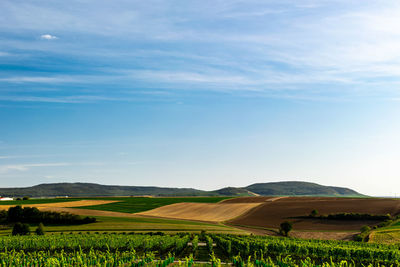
(201, 211)
(271, 214)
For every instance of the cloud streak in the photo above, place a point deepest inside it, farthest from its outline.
(48, 37)
(26, 167)
(279, 45)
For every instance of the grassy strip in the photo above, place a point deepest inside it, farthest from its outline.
(137, 224)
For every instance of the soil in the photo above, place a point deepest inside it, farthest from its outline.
(271, 214)
(218, 212)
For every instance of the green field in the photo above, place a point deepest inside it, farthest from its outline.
(124, 204)
(183, 249)
(386, 235)
(136, 224)
(138, 204)
(131, 224)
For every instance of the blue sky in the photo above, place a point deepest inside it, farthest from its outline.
(201, 94)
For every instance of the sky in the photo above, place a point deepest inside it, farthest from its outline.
(201, 94)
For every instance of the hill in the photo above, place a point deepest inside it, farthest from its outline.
(91, 189)
(295, 188)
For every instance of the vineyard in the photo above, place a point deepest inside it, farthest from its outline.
(189, 250)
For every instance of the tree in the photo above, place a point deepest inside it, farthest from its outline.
(25, 198)
(40, 229)
(314, 213)
(15, 214)
(285, 228)
(21, 229)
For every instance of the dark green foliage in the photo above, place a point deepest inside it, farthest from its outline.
(365, 228)
(356, 216)
(285, 228)
(21, 229)
(364, 235)
(314, 213)
(361, 254)
(350, 217)
(25, 198)
(34, 215)
(40, 229)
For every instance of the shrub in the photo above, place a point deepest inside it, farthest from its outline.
(40, 229)
(21, 229)
(285, 228)
(314, 213)
(365, 228)
(25, 198)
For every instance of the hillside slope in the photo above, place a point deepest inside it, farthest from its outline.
(294, 188)
(91, 189)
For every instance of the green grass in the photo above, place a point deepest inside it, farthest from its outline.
(136, 224)
(138, 204)
(386, 235)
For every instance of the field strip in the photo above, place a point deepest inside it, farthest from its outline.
(87, 212)
(69, 204)
(209, 212)
(258, 199)
(323, 235)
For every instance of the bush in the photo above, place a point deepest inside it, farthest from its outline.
(25, 198)
(40, 229)
(365, 228)
(21, 229)
(314, 213)
(286, 227)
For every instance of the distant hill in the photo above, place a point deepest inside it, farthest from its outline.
(91, 190)
(299, 189)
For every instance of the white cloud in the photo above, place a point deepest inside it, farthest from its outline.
(26, 167)
(48, 37)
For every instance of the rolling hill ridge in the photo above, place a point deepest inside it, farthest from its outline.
(292, 188)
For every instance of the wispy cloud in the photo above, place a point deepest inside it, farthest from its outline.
(74, 99)
(26, 167)
(258, 46)
(48, 37)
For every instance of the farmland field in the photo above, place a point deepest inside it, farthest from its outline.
(258, 215)
(201, 211)
(272, 213)
(149, 238)
(139, 204)
(188, 250)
